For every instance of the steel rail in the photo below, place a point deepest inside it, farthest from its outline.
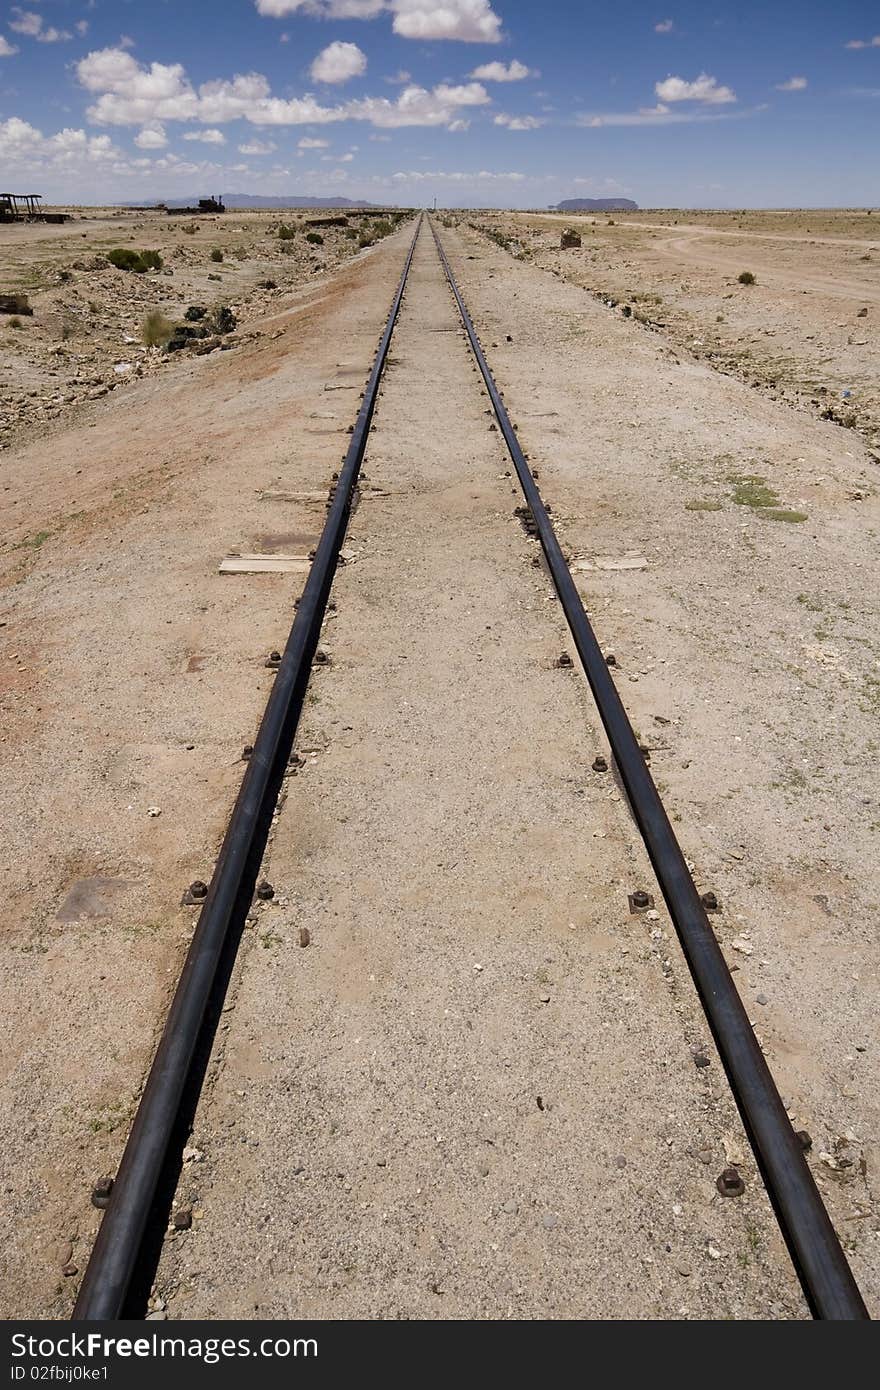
(821, 1266)
(114, 1256)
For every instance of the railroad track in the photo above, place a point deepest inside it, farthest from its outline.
(154, 1141)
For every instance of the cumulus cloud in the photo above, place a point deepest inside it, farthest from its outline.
(416, 106)
(438, 176)
(307, 143)
(31, 24)
(131, 94)
(865, 43)
(471, 21)
(208, 137)
(664, 26)
(23, 144)
(794, 84)
(518, 122)
(514, 71)
(704, 88)
(6, 48)
(152, 137)
(339, 62)
(257, 147)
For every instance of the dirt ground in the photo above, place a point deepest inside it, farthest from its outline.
(85, 335)
(806, 332)
(480, 1091)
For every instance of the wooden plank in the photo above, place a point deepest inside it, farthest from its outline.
(265, 564)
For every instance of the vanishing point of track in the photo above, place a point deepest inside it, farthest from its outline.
(816, 1253)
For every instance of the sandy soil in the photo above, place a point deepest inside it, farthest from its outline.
(806, 332)
(371, 1142)
(85, 335)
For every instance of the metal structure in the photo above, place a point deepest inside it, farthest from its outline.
(821, 1265)
(26, 207)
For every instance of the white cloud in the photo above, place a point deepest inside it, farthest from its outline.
(418, 107)
(658, 115)
(346, 159)
(400, 78)
(307, 143)
(257, 147)
(704, 88)
(82, 27)
(472, 21)
(131, 94)
(22, 144)
(518, 122)
(438, 176)
(208, 137)
(514, 71)
(794, 84)
(865, 43)
(6, 48)
(31, 24)
(152, 137)
(339, 62)
(457, 127)
(326, 9)
(665, 26)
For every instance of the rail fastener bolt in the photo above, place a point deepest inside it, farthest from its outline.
(710, 902)
(730, 1183)
(564, 661)
(246, 752)
(610, 659)
(321, 658)
(195, 893)
(273, 660)
(804, 1139)
(101, 1193)
(600, 764)
(265, 891)
(640, 901)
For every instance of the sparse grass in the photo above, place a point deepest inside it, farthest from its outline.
(16, 304)
(751, 490)
(702, 505)
(782, 514)
(156, 329)
(314, 238)
(216, 255)
(124, 258)
(15, 323)
(746, 277)
(286, 233)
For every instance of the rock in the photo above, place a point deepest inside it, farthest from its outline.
(484, 1170)
(69, 1269)
(183, 1218)
(683, 1269)
(510, 1208)
(304, 936)
(549, 1221)
(544, 998)
(761, 999)
(862, 314)
(741, 944)
(64, 1253)
(191, 1155)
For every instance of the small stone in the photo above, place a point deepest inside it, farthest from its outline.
(683, 1269)
(160, 1315)
(382, 1163)
(484, 1170)
(704, 1155)
(549, 1221)
(712, 1250)
(183, 1218)
(511, 1208)
(101, 1193)
(64, 1253)
(154, 811)
(69, 1269)
(544, 998)
(620, 1161)
(761, 999)
(304, 937)
(191, 1155)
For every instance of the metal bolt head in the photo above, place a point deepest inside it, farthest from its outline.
(564, 660)
(730, 1183)
(198, 889)
(101, 1193)
(600, 764)
(610, 659)
(640, 899)
(246, 752)
(265, 891)
(321, 658)
(709, 901)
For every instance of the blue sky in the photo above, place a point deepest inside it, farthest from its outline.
(478, 102)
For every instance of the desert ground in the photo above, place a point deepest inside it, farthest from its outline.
(485, 1089)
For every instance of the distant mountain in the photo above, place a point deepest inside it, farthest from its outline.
(597, 205)
(255, 200)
